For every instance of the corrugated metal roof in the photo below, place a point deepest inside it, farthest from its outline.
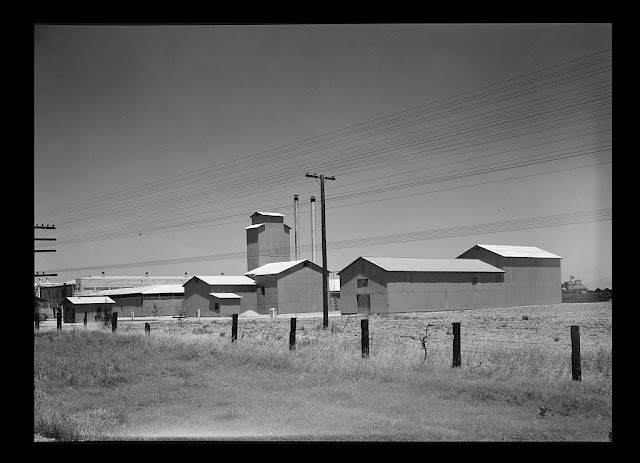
(413, 264)
(163, 289)
(518, 251)
(91, 300)
(227, 280)
(226, 295)
(275, 267)
(254, 226)
(274, 214)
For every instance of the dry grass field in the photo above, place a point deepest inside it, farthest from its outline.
(186, 378)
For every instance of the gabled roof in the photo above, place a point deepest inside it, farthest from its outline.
(274, 214)
(226, 280)
(254, 226)
(91, 300)
(151, 289)
(226, 295)
(163, 289)
(518, 251)
(277, 267)
(414, 264)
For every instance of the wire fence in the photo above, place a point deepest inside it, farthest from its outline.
(498, 347)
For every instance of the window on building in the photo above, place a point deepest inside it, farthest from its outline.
(262, 289)
(363, 282)
(474, 280)
(216, 307)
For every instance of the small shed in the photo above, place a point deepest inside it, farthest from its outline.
(289, 287)
(226, 304)
(403, 284)
(199, 295)
(95, 307)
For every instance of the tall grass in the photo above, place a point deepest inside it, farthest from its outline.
(89, 362)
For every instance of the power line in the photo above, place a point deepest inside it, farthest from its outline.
(237, 162)
(484, 228)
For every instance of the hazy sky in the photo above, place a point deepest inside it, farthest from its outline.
(155, 143)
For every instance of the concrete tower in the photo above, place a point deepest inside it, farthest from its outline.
(267, 240)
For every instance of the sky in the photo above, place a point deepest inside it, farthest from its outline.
(156, 143)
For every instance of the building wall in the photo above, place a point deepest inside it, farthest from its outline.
(377, 288)
(124, 305)
(267, 284)
(196, 296)
(300, 290)
(437, 291)
(92, 311)
(100, 283)
(268, 244)
(54, 298)
(229, 307)
(163, 304)
(528, 280)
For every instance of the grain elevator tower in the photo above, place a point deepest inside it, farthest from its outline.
(267, 240)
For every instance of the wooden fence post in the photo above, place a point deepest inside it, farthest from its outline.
(576, 370)
(59, 319)
(457, 358)
(234, 327)
(364, 324)
(114, 322)
(85, 319)
(36, 320)
(292, 335)
(147, 328)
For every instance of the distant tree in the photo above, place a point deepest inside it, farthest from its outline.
(607, 290)
(597, 290)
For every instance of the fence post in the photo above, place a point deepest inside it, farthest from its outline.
(292, 335)
(59, 319)
(147, 328)
(85, 319)
(457, 358)
(198, 314)
(234, 327)
(576, 370)
(114, 322)
(36, 320)
(364, 324)
(133, 316)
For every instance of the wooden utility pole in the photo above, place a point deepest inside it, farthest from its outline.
(45, 227)
(325, 272)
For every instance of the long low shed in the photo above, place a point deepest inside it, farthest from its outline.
(94, 308)
(390, 285)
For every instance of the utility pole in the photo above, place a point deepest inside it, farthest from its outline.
(325, 273)
(45, 227)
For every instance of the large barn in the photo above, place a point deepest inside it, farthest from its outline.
(390, 284)
(531, 275)
(289, 287)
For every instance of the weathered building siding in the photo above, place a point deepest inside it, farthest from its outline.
(266, 293)
(376, 289)
(436, 291)
(268, 243)
(527, 280)
(294, 290)
(92, 311)
(161, 305)
(196, 296)
(300, 290)
(124, 305)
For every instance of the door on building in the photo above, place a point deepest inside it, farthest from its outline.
(364, 303)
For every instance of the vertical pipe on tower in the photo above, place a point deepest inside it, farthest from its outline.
(296, 227)
(313, 229)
